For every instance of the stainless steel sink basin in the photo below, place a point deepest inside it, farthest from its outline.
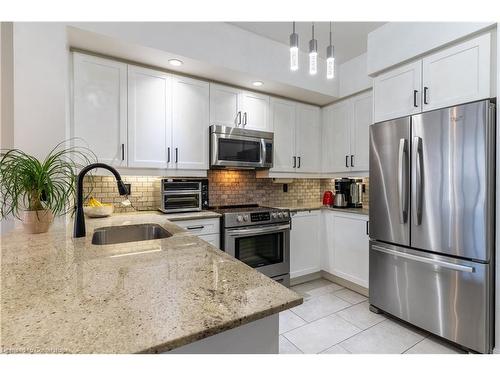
(128, 233)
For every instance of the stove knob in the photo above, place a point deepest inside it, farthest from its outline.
(246, 218)
(280, 215)
(274, 215)
(239, 218)
(285, 214)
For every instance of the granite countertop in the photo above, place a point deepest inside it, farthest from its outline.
(65, 295)
(191, 215)
(318, 206)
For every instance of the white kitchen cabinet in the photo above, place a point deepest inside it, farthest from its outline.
(297, 137)
(345, 134)
(345, 246)
(362, 112)
(455, 75)
(458, 74)
(283, 122)
(190, 122)
(224, 105)
(234, 107)
(206, 229)
(100, 107)
(398, 92)
(149, 120)
(254, 109)
(308, 139)
(305, 250)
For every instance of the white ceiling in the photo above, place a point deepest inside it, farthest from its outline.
(349, 38)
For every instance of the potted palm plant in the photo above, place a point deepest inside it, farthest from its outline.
(35, 191)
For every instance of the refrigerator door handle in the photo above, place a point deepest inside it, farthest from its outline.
(402, 181)
(436, 262)
(417, 180)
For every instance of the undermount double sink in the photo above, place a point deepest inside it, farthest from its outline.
(129, 233)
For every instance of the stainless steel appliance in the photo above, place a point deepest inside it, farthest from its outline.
(432, 221)
(259, 237)
(183, 195)
(240, 148)
(351, 189)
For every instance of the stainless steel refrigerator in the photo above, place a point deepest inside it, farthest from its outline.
(432, 204)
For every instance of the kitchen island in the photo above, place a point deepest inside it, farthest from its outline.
(66, 295)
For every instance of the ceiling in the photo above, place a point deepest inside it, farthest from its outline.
(349, 38)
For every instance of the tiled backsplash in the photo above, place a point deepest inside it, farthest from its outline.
(226, 187)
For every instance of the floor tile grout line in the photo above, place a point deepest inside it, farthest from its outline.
(418, 342)
(295, 346)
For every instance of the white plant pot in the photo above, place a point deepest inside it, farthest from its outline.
(37, 221)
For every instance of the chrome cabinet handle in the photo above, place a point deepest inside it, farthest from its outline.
(352, 160)
(299, 162)
(168, 154)
(238, 116)
(123, 151)
(295, 162)
(347, 161)
(415, 104)
(425, 95)
(436, 262)
(402, 181)
(176, 155)
(417, 180)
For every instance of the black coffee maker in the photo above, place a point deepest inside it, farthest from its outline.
(352, 189)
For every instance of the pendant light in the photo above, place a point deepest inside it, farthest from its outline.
(313, 54)
(330, 58)
(294, 50)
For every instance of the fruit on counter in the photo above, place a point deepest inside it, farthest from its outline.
(95, 203)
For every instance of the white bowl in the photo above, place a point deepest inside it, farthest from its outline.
(101, 211)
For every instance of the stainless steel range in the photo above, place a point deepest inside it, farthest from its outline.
(259, 237)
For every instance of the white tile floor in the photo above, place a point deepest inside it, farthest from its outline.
(336, 320)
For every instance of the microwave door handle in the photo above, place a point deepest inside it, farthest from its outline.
(239, 232)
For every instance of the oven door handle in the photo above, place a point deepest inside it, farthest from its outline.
(239, 232)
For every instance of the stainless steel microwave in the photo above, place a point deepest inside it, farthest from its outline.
(240, 148)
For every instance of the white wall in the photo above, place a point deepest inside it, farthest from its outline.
(397, 42)
(353, 76)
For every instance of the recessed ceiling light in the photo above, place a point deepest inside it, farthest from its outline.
(175, 62)
(257, 83)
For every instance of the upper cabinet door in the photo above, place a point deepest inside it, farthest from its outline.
(397, 93)
(100, 107)
(190, 121)
(362, 107)
(283, 122)
(308, 139)
(254, 110)
(336, 138)
(458, 74)
(149, 117)
(224, 106)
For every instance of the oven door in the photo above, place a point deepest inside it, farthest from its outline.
(240, 151)
(264, 247)
(181, 201)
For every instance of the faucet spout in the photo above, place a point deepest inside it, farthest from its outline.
(79, 225)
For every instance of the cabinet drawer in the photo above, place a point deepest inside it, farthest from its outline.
(200, 227)
(212, 239)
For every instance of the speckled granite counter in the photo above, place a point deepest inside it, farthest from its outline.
(312, 207)
(192, 215)
(66, 295)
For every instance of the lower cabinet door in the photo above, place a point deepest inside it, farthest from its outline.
(349, 248)
(305, 251)
(212, 239)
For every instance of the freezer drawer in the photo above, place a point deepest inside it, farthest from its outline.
(442, 295)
